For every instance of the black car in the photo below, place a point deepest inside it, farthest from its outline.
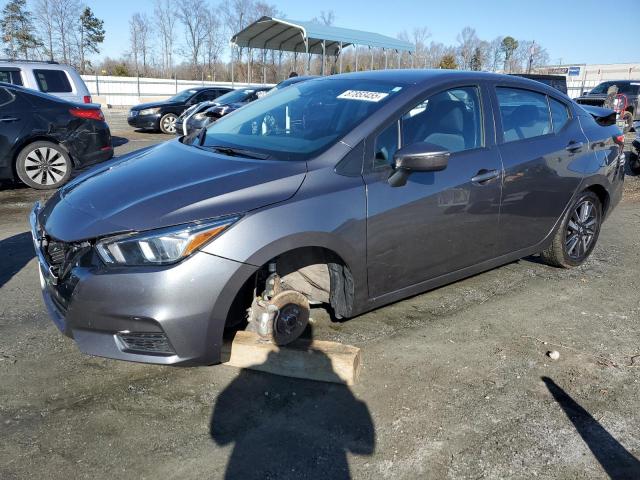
(44, 138)
(162, 115)
(626, 105)
(559, 82)
(201, 117)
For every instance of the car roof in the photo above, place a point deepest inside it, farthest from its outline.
(419, 76)
(36, 93)
(424, 77)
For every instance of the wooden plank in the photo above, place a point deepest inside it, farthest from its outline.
(311, 359)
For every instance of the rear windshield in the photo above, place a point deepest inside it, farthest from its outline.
(10, 76)
(52, 81)
(303, 120)
(629, 88)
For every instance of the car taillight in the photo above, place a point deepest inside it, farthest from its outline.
(619, 139)
(86, 99)
(90, 113)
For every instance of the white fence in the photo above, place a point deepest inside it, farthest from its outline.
(125, 91)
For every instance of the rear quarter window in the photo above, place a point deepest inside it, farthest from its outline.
(559, 114)
(52, 81)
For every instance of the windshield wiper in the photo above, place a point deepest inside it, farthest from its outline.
(236, 152)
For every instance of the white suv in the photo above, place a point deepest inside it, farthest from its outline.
(47, 77)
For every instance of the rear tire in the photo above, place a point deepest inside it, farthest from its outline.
(168, 123)
(43, 165)
(578, 233)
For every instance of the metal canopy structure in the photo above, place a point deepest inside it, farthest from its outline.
(269, 33)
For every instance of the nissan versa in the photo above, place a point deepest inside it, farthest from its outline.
(352, 191)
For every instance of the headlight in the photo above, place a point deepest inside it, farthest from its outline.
(149, 111)
(160, 247)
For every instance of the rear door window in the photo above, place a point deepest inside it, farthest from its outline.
(52, 81)
(524, 113)
(11, 75)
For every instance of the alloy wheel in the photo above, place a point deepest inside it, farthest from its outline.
(582, 229)
(45, 166)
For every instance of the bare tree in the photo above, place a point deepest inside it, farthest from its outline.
(44, 23)
(214, 41)
(467, 43)
(326, 17)
(191, 14)
(139, 27)
(494, 54)
(166, 21)
(420, 36)
(65, 16)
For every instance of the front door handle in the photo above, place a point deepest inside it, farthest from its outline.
(574, 146)
(9, 119)
(483, 176)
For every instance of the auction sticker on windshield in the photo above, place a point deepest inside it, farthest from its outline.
(362, 95)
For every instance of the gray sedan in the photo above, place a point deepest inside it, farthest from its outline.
(352, 191)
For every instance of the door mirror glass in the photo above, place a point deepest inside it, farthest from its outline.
(417, 157)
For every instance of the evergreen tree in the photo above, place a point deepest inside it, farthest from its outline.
(91, 35)
(509, 46)
(16, 27)
(449, 62)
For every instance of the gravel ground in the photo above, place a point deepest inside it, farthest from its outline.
(456, 382)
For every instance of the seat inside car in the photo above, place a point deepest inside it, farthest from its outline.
(524, 121)
(446, 125)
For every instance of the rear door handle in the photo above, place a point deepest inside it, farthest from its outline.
(484, 176)
(9, 119)
(574, 146)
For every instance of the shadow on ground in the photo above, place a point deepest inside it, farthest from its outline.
(614, 458)
(288, 428)
(15, 251)
(118, 141)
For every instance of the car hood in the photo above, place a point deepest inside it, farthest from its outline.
(163, 103)
(166, 185)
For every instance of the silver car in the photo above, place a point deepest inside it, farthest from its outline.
(351, 191)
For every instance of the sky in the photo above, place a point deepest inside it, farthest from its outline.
(570, 30)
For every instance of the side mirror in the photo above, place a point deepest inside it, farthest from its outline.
(418, 157)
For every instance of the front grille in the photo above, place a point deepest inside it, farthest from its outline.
(141, 342)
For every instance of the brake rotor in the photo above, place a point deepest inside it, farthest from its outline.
(292, 317)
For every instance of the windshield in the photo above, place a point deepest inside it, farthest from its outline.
(303, 120)
(182, 96)
(629, 88)
(234, 96)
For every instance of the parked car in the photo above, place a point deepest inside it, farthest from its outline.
(162, 115)
(46, 77)
(352, 191)
(210, 112)
(626, 105)
(292, 81)
(44, 138)
(559, 82)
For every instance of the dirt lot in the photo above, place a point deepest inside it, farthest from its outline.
(456, 383)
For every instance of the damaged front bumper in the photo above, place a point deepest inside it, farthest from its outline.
(166, 315)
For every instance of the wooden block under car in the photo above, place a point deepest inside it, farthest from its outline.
(311, 359)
